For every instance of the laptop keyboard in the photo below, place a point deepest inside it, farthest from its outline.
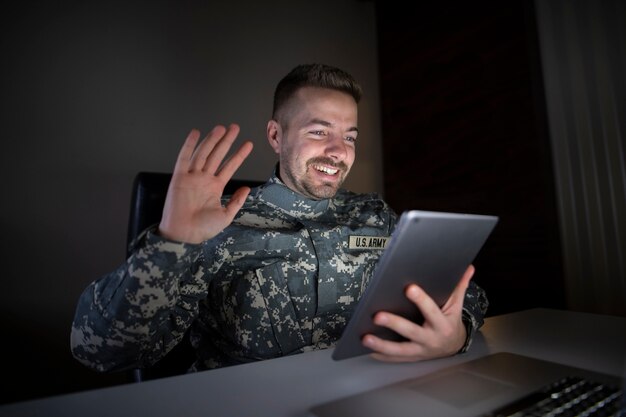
(571, 396)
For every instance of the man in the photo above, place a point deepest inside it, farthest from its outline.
(267, 272)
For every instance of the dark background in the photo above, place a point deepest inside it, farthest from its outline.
(465, 130)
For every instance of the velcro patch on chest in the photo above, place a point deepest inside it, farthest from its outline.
(368, 242)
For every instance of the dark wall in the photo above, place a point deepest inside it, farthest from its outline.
(91, 92)
(464, 129)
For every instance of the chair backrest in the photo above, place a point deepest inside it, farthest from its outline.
(146, 202)
(146, 207)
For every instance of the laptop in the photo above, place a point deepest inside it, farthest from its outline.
(431, 249)
(499, 384)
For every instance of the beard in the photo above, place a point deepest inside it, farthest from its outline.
(316, 191)
(320, 192)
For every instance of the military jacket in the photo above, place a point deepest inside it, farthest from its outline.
(283, 278)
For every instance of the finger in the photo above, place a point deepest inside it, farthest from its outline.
(216, 157)
(202, 152)
(458, 295)
(386, 348)
(400, 325)
(426, 305)
(233, 163)
(186, 151)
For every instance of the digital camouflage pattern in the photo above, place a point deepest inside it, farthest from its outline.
(283, 278)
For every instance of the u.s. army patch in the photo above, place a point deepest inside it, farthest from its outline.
(368, 242)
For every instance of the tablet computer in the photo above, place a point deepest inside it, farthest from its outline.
(431, 249)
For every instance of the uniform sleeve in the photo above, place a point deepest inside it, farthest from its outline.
(133, 316)
(474, 309)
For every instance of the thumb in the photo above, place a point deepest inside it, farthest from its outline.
(236, 201)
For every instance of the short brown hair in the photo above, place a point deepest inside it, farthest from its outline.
(314, 75)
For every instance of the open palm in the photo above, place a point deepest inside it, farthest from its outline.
(193, 210)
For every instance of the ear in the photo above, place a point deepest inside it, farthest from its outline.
(274, 135)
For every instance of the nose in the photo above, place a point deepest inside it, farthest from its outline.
(336, 148)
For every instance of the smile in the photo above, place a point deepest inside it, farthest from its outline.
(325, 169)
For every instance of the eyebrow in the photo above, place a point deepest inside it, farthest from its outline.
(328, 124)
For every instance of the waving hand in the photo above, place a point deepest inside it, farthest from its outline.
(193, 211)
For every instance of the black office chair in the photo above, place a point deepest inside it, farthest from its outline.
(147, 200)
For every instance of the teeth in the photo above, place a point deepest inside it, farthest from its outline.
(326, 170)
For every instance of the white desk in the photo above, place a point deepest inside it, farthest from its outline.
(290, 386)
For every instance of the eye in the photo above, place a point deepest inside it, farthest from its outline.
(318, 133)
(350, 139)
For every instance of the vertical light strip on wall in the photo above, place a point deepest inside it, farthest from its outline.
(583, 53)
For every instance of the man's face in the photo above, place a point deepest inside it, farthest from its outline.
(315, 141)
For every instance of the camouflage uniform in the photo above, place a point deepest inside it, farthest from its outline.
(283, 278)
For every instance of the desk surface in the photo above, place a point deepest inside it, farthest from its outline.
(289, 386)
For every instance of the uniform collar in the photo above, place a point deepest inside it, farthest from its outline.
(275, 193)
